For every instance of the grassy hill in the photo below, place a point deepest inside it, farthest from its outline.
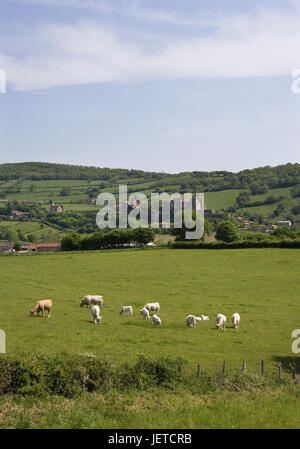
(272, 191)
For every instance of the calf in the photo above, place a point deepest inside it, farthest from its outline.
(235, 319)
(126, 309)
(145, 313)
(95, 310)
(191, 320)
(156, 320)
(221, 321)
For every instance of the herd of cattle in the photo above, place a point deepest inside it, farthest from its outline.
(96, 304)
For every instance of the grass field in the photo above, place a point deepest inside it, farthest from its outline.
(32, 227)
(261, 284)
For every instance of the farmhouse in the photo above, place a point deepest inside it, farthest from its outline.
(18, 213)
(284, 223)
(54, 208)
(6, 248)
(44, 247)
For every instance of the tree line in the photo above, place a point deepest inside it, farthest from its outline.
(102, 240)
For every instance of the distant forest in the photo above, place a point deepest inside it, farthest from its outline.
(258, 180)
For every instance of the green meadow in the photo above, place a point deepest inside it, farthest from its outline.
(262, 285)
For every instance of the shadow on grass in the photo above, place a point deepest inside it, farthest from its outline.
(287, 362)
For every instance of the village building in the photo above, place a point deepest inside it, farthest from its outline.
(54, 208)
(44, 247)
(18, 213)
(284, 223)
(6, 248)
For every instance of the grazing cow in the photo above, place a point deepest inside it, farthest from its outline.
(152, 306)
(95, 310)
(235, 319)
(156, 320)
(126, 309)
(44, 304)
(90, 299)
(191, 320)
(145, 313)
(201, 318)
(221, 321)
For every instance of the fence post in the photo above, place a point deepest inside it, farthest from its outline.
(262, 368)
(223, 369)
(244, 367)
(294, 369)
(279, 369)
(199, 370)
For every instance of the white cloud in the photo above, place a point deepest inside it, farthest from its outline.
(261, 45)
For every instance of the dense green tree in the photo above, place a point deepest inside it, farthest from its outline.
(17, 246)
(71, 242)
(227, 232)
(12, 235)
(284, 232)
(142, 236)
(180, 233)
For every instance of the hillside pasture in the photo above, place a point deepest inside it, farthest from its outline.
(262, 285)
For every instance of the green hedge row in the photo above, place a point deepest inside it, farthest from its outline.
(70, 375)
(238, 244)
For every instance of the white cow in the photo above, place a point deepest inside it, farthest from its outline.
(235, 319)
(221, 321)
(126, 309)
(202, 318)
(156, 320)
(145, 313)
(92, 299)
(152, 306)
(191, 320)
(95, 310)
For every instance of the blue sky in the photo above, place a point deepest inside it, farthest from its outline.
(173, 85)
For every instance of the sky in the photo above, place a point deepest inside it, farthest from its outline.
(156, 85)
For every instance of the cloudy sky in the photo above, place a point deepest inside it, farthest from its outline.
(171, 85)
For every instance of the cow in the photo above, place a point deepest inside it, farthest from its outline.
(156, 320)
(145, 313)
(88, 300)
(201, 318)
(95, 311)
(191, 320)
(235, 319)
(152, 306)
(44, 304)
(126, 309)
(221, 321)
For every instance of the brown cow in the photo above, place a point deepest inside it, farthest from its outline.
(44, 304)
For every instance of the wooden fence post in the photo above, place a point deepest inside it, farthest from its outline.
(262, 368)
(244, 367)
(199, 371)
(223, 369)
(294, 370)
(279, 369)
